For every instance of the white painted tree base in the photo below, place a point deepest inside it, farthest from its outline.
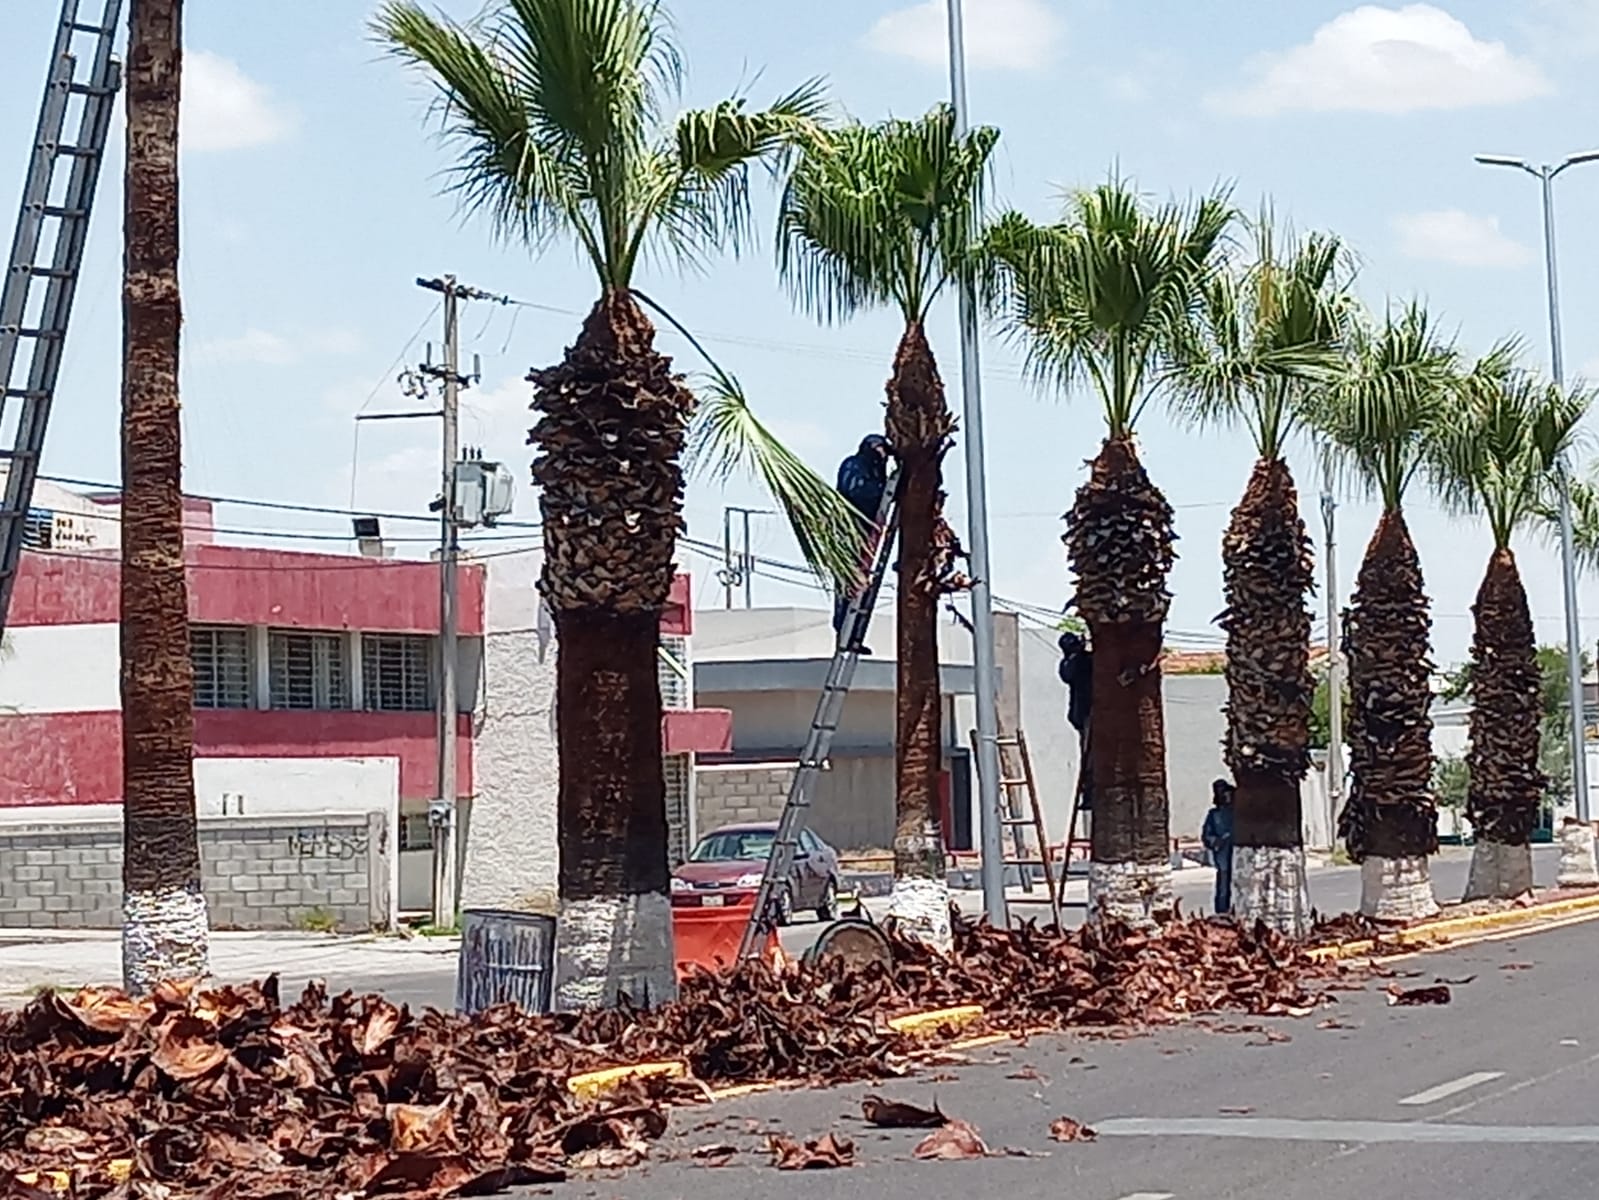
(920, 908)
(1269, 887)
(165, 936)
(1136, 894)
(1577, 864)
(613, 946)
(1397, 889)
(1499, 872)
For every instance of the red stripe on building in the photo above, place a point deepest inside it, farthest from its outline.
(233, 585)
(76, 758)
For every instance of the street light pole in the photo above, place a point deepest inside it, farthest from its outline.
(984, 667)
(1546, 174)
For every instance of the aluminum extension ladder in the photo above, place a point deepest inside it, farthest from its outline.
(824, 725)
(37, 316)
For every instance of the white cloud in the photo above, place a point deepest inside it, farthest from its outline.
(224, 109)
(1014, 35)
(253, 346)
(1389, 60)
(1458, 238)
(268, 349)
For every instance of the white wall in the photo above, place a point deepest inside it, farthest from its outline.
(510, 850)
(60, 669)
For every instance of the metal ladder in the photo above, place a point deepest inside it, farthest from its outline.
(37, 316)
(824, 725)
(1019, 821)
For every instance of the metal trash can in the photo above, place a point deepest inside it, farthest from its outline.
(506, 958)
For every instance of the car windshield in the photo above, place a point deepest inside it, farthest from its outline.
(733, 845)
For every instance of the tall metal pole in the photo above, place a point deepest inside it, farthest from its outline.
(749, 564)
(1335, 656)
(727, 558)
(985, 668)
(444, 851)
(1568, 557)
(1545, 175)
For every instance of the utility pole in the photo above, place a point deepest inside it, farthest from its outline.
(442, 814)
(1335, 655)
(984, 667)
(743, 572)
(446, 885)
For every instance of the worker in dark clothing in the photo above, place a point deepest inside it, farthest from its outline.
(1217, 837)
(862, 477)
(1077, 673)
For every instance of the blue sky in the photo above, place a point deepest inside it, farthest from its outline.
(313, 198)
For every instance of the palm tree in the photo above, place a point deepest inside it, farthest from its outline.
(887, 215)
(1270, 332)
(557, 108)
(1384, 417)
(1498, 458)
(1108, 297)
(164, 930)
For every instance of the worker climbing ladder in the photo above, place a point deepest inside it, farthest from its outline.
(36, 300)
(824, 725)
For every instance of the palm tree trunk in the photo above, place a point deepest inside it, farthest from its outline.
(164, 931)
(918, 424)
(611, 493)
(1267, 572)
(1506, 785)
(1119, 540)
(1390, 821)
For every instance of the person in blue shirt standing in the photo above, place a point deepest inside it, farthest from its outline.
(1217, 837)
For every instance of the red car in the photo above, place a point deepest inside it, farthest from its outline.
(726, 867)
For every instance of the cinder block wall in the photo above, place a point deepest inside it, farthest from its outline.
(261, 873)
(734, 794)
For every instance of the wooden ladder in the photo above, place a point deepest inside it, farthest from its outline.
(1016, 776)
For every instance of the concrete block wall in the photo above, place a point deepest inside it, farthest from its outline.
(726, 795)
(259, 873)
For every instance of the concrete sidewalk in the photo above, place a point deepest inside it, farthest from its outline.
(31, 960)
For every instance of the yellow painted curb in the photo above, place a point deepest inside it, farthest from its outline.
(593, 1084)
(926, 1023)
(1450, 927)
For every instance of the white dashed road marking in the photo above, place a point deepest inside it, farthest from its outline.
(1444, 1090)
(1149, 1196)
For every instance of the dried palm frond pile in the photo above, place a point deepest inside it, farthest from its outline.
(227, 1093)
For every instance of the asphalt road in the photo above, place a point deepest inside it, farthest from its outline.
(1490, 1097)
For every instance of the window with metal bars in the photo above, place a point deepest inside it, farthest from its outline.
(679, 770)
(224, 672)
(38, 529)
(671, 670)
(397, 672)
(308, 670)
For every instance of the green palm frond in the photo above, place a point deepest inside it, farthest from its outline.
(1108, 297)
(1500, 454)
(727, 438)
(557, 111)
(884, 214)
(1384, 413)
(1269, 330)
(1584, 522)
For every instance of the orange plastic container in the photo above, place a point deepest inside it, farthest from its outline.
(709, 938)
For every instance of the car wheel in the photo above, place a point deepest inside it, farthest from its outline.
(785, 907)
(828, 908)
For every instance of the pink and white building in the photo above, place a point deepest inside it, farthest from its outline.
(315, 683)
